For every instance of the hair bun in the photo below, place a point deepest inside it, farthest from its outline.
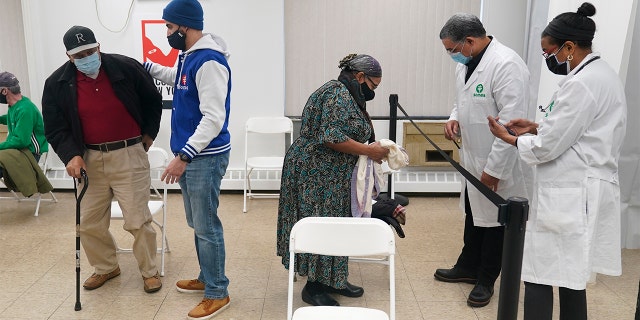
(586, 9)
(345, 61)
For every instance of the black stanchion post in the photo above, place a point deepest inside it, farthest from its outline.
(513, 215)
(393, 120)
(638, 303)
(393, 124)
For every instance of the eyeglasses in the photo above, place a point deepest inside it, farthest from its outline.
(452, 50)
(85, 53)
(375, 86)
(547, 55)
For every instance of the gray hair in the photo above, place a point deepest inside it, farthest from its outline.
(462, 25)
(361, 62)
(14, 89)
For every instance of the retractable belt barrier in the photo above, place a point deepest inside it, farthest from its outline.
(512, 214)
(495, 198)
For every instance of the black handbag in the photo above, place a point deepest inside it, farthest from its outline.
(389, 211)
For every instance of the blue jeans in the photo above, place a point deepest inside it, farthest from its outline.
(200, 184)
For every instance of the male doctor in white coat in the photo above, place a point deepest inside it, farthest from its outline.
(491, 80)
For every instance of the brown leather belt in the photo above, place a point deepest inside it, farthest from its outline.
(112, 146)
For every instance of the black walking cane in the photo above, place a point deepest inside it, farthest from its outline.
(85, 184)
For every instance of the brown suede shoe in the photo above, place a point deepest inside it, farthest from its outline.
(152, 284)
(190, 286)
(208, 308)
(97, 280)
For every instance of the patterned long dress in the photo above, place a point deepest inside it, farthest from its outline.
(316, 179)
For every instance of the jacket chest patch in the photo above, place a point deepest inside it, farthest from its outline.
(182, 84)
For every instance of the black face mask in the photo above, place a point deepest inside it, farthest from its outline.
(368, 93)
(177, 40)
(557, 67)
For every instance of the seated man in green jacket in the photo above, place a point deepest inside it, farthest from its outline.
(23, 119)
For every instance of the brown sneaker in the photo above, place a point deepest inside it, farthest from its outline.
(190, 286)
(208, 308)
(97, 280)
(152, 284)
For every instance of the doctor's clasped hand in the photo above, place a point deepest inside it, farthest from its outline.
(518, 126)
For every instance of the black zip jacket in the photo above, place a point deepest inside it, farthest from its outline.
(131, 84)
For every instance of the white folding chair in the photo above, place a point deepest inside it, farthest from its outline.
(342, 237)
(267, 128)
(43, 163)
(158, 160)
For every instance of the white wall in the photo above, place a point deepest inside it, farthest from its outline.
(13, 60)
(253, 30)
(630, 154)
(506, 20)
(612, 23)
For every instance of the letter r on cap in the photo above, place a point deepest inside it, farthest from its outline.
(80, 37)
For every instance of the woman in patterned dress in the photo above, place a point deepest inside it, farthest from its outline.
(318, 167)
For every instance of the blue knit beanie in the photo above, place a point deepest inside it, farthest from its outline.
(187, 13)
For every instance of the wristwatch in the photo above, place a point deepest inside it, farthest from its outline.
(184, 157)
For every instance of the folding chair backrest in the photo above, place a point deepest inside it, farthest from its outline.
(269, 125)
(158, 158)
(346, 236)
(342, 237)
(266, 157)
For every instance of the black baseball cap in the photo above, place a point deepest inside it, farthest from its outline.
(79, 38)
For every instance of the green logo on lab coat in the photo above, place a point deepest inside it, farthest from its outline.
(548, 109)
(479, 89)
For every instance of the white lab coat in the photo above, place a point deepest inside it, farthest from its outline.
(574, 221)
(499, 86)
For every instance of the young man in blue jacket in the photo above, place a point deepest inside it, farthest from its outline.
(201, 142)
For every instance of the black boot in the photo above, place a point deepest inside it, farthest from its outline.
(351, 290)
(314, 294)
(455, 274)
(480, 296)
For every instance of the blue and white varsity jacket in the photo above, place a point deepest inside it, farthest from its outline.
(202, 87)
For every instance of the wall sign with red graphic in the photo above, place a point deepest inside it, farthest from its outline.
(156, 49)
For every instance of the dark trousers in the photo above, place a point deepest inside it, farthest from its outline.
(482, 250)
(538, 302)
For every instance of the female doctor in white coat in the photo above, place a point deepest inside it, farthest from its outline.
(574, 223)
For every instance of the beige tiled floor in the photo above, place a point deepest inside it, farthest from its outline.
(37, 264)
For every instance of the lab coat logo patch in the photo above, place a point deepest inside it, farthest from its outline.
(547, 109)
(156, 49)
(479, 89)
